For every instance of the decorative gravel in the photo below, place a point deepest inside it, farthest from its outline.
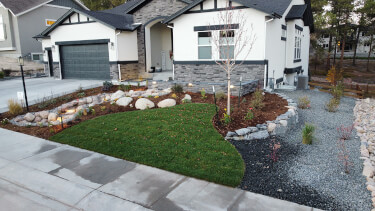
(311, 175)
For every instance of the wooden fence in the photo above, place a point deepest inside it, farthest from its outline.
(356, 91)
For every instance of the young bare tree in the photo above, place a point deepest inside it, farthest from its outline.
(232, 40)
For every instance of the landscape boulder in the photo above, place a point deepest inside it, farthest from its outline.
(52, 117)
(124, 101)
(29, 117)
(143, 104)
(187, 98)
(44, 114)
(38, 119)
(117, 95)
(167, 103)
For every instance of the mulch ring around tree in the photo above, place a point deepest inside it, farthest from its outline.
(267, 177)
(273, 107)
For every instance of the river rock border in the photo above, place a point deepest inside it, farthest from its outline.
(71, 110)
(364, 113)
(280, 126)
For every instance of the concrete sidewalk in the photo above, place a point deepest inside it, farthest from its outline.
(36, 174)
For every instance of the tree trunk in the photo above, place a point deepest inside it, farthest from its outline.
(369, 54)
(229, 94)
(334, 53)
(342, 52)
(356, 47)
(329, 53)
(316, 60)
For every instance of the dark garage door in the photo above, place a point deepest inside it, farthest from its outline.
(85, 61)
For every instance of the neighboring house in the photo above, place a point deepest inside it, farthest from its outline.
(20, 20)
(364, 41)
(131, 40)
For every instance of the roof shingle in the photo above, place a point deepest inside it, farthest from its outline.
(19, 6)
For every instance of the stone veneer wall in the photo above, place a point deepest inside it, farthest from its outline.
(56, 70)
(129, 71)
(153, 9)
(114, 72)
(46, 70)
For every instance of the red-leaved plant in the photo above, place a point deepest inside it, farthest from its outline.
(345, 133)
(344, 155)
(274, 151)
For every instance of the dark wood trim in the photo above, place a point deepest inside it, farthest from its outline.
(84, 42)
(64, 24)
(55, 62)
(283, 27)
(48, 49)
(201, 5)
(70, 20)
(259, 62)
(298, 27)
(215, 10)
(124, 62)
(215, 4)
(297, 60)
(283, 38)
(79, 18)
(216, 27)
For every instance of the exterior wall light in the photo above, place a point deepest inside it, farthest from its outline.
(190, 85)
(53, 48)
(154, 82)
(231, 86)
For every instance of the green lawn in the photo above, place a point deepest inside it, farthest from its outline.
(181, 139)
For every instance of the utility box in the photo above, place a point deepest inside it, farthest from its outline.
(303, 82)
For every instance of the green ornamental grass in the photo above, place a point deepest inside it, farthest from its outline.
(308, 134)
(180, 139)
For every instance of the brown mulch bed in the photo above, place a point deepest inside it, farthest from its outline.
(274, 106)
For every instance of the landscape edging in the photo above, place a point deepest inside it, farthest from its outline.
(281, 125)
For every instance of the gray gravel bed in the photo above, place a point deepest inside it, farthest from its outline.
(318, 166)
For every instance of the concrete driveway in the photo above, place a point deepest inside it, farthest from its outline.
(38, 88)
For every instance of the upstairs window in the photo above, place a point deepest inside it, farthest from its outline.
(204, 45)
(283, 32)
(227, 44)
(297, 44)
(2, 29)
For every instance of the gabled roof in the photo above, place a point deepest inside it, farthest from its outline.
(77, 4)
(272, 7)
(118, 22)
(296, 12)
(123, 8)
(141, 3)
(20, 7)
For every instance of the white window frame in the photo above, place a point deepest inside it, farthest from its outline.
(46, 20)
(41, 56)
(208, 45)
(297, 44)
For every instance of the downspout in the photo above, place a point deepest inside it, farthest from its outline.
(266, 66)
(118, 65)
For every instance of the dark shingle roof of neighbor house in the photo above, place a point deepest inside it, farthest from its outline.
(76, 4)
(296, 12)
(272, 7)
(119, 22)
(123, 8)
(140, 3)
(19, 6)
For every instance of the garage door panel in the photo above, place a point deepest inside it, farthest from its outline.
(85, 61)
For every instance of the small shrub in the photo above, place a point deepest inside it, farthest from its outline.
(174, 96)
(226, 120)
(138, 85)
(244, 100)
(177, 88)
(334, 75)
(257, 100)
(308, 134)
(332, 105)
(124, 87)
(103, 108)
(5, 121)
(220, 95)
(203, 94)
(2, 75)
(15, 108)
(107, 86)
(343, 155)
(156, 97)
(81, 94)
(345, 133)
(274, 150)
(304, 102)
(250, 114)
(338, 90)
(40, 124)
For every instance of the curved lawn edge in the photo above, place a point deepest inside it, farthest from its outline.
(181, 139)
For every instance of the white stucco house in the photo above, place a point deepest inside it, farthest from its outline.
(134, 39)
